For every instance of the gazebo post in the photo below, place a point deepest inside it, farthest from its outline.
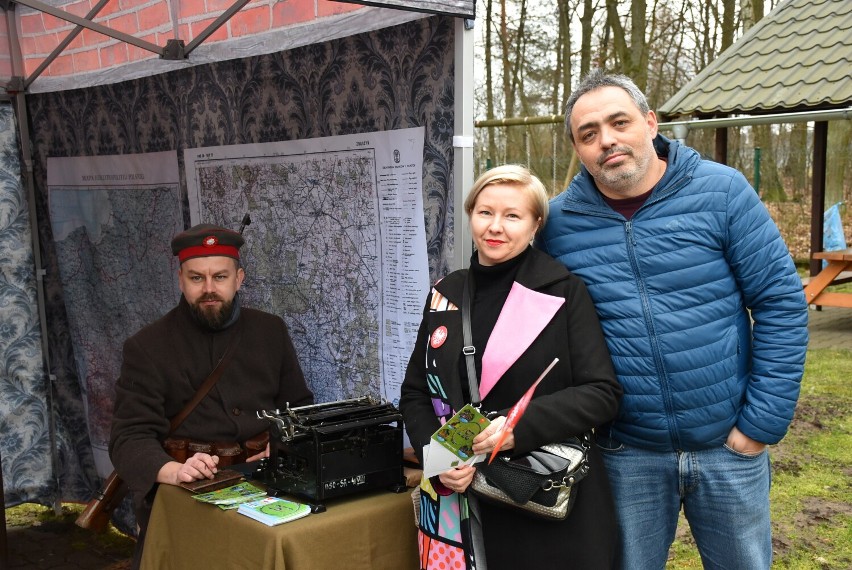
(818, 191)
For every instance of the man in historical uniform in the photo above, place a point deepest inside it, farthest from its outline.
(166, 362)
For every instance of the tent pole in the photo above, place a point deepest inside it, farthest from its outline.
(462, 140)
(27, 172)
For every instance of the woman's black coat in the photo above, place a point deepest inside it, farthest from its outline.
(580, 393)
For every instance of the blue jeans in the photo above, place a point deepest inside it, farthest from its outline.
(724, 494)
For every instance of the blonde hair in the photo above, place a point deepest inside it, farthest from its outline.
(512, 175)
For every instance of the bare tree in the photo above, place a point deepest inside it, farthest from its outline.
(586, 36)
(489, 81)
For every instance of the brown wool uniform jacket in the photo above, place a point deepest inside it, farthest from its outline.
(165, 363)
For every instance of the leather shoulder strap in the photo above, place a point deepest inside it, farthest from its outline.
(467, 336)
(209, 381)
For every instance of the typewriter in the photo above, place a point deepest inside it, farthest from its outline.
(333, 449)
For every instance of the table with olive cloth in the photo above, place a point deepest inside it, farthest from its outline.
(369, 531)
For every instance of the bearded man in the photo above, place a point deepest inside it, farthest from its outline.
(166, 362)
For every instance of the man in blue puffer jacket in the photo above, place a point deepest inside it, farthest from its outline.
(705, 319)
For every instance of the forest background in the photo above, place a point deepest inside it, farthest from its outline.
(530, 53)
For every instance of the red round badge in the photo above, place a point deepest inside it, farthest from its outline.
(210, 241)
(439, 335)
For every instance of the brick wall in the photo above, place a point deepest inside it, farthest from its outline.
(5, 58)
(150, 20)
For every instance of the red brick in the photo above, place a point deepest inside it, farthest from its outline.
(86, 61)
(153, 16)
(131, 4)
(52, 23)
(292, 12)
(5, 67)
(251, 21)
(78, 8)
(31, 24)
(217, 6)
(76, 43)
(46, 43)
(125, 23)
(28, 46)
(93, 38)
(31, 64)
(113, 55)
(135, 53)
(111, 7)
(62, 65)
(184, 32)
(189, 8)
(327, 8)
(201, 25)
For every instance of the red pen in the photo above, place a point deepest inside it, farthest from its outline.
(518, 410)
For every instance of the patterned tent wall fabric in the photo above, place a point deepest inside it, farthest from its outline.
(392, 78)
(24, 415)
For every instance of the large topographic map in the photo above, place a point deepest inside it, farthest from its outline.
(312, 255)
(336, 247)
(111, 230)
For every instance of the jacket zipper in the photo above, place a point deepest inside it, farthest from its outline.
(652, 334)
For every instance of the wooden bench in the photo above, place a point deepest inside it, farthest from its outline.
(844, 277)
(838, 270)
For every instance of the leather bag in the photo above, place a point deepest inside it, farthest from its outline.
(541, 483)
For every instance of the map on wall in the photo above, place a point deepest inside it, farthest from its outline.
(112, 218)
(336, 246)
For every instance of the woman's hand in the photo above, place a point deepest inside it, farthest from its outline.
(485, 441)
(457, 479)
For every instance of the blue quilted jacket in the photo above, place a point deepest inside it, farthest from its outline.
(699, 299)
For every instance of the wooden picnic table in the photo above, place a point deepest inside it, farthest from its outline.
(837, 270)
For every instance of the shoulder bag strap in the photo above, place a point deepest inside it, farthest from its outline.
(209, 382)
(469, 350)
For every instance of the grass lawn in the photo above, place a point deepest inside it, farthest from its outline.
(811, 497)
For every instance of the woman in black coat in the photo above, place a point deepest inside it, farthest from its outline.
(526, 310)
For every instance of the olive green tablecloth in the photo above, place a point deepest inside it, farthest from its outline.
(371, 531)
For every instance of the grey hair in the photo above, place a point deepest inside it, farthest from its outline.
(596, 79)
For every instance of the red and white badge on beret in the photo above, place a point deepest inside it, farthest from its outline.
(439, 335)
(210, 241)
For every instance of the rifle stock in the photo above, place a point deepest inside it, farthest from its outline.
(98, 511)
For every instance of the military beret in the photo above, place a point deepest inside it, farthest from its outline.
(204, 240)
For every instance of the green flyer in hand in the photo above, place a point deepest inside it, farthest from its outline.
(458, 433)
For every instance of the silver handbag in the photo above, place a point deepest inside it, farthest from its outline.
(541, 483)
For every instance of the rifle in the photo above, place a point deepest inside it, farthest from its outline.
(98, 511)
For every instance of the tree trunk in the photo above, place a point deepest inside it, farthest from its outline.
(489, 85)
(619, 38)
(837, 164)
(638, 69)
(796, 166)
(508, 93)
(728, 24)
(586, 37)
(771, 189)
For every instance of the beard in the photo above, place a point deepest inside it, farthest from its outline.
(212, 317)
(623, 178)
